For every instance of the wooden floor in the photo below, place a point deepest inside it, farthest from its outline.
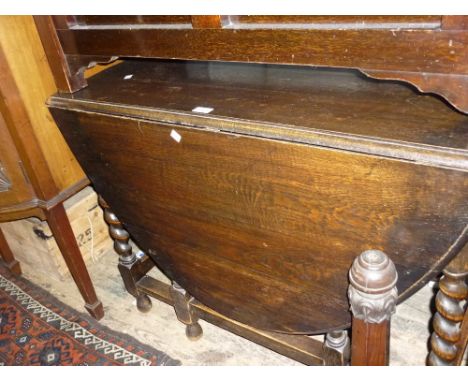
(160, 328)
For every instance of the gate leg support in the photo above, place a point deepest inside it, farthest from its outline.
(184, 312)
(127, 259)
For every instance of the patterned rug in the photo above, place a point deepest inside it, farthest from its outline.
(37, 329)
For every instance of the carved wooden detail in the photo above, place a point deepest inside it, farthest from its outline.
(182, 305)
(451, 87)
(127, 259)
(119, 234)
(447, 342)
(372, 292)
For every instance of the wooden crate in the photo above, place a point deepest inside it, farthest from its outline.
(34, 245)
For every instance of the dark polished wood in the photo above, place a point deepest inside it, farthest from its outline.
(303, 349)
(294, 47)
(258, 208)
(130, 268)
(275, 191)
(183, 307)
(300, 104)
(380, 46)
(370, 343)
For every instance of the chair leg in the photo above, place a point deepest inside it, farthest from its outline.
(372, 294)
(5, 252)
(60, 226)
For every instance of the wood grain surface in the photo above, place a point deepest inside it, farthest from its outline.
(336, 48)
(426, 51)
(300, 98)
(32, 75)
(265, 231)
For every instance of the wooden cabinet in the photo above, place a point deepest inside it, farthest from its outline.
(426, 51)
(37, 170)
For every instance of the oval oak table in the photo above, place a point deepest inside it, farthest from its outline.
(278, 197)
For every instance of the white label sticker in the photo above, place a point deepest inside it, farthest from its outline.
(128, 76)
(176, 136)
(202, 109)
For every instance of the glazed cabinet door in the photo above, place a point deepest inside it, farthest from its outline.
(15, 190)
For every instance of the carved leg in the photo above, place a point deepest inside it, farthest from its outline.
(448, 341)
(65, 238)
(7, 255)
(372, 294)
(127, 259)
(184, 312)
(336, 348)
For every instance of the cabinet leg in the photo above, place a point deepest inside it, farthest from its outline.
(184, 312)
(372, 294)
(5, 252)
(450, 322)
(127, 259)
(65, 238)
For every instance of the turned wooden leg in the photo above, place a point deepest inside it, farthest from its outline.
(449, 339)
(60, 226)
(7, 256)
(336, 348)
(372, 294)
(184, 312)
(127, 259)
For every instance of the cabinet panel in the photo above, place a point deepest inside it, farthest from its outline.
(33, 78)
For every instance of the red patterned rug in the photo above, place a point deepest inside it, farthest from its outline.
(37, 329)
